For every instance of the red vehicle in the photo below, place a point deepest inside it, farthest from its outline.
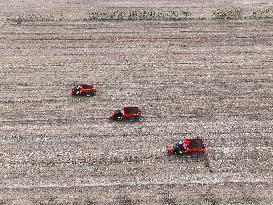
(84, 90)
(126, 113)
(188, 145)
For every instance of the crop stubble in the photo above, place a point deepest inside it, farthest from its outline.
(206, 76)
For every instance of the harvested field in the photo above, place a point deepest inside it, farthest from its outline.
(208, 76)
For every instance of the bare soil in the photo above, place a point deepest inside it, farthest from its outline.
(211, 77)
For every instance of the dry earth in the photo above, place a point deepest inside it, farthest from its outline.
(212, 77)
